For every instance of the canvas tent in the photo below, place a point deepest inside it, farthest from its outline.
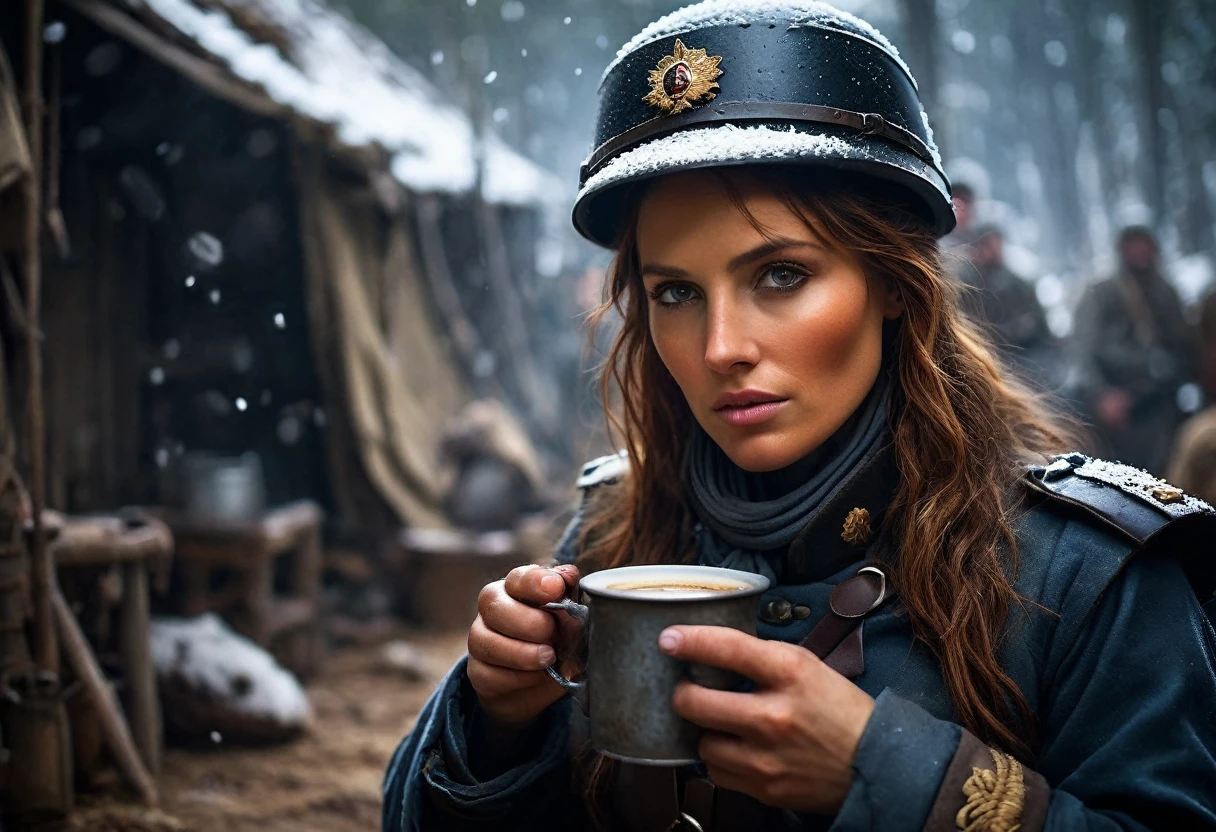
(249, 192)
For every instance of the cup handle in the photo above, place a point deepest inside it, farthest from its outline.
(577, 690)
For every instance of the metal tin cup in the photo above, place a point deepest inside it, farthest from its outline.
(629, 681)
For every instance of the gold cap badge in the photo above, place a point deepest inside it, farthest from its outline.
(682, 79)
(1168, 494)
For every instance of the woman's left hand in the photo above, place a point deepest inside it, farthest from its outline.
(789, 744)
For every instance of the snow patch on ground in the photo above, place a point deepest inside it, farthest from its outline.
(339, 73)
(215, 660)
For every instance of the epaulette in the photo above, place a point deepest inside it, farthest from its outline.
(1144, 508)
(604, 469)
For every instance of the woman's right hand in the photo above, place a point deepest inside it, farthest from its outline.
(512, 642)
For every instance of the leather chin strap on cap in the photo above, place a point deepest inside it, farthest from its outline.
(870, 124)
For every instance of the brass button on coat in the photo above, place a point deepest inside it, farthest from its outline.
(777, 611)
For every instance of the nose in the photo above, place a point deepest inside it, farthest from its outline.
(728, 342)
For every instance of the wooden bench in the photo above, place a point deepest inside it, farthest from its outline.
(138, 546)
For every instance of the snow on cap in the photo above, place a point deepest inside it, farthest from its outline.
(720, 145)
(742, 12)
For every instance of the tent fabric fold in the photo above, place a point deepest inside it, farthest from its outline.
(383, 359)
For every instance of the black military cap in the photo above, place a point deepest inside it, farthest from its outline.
(746, 82)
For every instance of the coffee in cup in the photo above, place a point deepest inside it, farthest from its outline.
(685, 586)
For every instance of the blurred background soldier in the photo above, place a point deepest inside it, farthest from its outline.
(1137, 350)
(1193, 465)
(1005, 304)
(498, 480)
(956, 246)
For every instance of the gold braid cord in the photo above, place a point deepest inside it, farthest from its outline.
(994, 798)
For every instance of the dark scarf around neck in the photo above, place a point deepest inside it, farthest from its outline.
(748, 520)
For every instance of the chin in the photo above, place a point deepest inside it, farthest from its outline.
(764, 451)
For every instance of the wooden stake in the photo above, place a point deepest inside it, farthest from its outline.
(46, 652)
(101, 695)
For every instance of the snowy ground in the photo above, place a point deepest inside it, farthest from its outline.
(329, 781)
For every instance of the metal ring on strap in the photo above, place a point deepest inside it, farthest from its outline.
(871, 124)
(688, 819)
(882, 593)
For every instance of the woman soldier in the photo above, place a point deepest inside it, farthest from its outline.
(800, 397)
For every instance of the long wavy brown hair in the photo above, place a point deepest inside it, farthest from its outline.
(963, 429)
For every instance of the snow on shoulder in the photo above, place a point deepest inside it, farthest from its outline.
(746, 12)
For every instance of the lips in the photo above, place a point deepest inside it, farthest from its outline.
(748, 407)
(746, 398)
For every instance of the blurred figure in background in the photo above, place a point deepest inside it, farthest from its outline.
(1136, 350)
(1193, 465)
(962, 196)
(1005, 304)
(498, 478)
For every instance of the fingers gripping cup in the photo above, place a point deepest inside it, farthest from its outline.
(629, 682)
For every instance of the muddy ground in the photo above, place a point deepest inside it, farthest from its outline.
(327, 781)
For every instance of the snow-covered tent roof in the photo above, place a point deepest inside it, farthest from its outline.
(318, 64)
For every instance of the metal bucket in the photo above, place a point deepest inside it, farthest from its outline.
(224, 489)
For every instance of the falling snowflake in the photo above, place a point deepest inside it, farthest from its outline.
(512, 11)
(206, 248)
(490, 76)
(1055, 53)
(963, 42)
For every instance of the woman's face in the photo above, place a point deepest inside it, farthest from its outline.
(773, 338)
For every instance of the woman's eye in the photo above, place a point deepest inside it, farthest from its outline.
(781, 277)
(676, 294)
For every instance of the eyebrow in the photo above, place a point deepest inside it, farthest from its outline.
(763, 250)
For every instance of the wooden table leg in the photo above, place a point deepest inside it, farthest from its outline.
(309, 587)
(258, 591)
(138, 668)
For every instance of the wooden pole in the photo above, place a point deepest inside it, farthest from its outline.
(46, 650)
(138, 667)
(101, 696)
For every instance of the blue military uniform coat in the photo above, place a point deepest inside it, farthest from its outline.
(1114, 654)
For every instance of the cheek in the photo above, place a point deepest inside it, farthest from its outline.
(833, 334)
(677, 341)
